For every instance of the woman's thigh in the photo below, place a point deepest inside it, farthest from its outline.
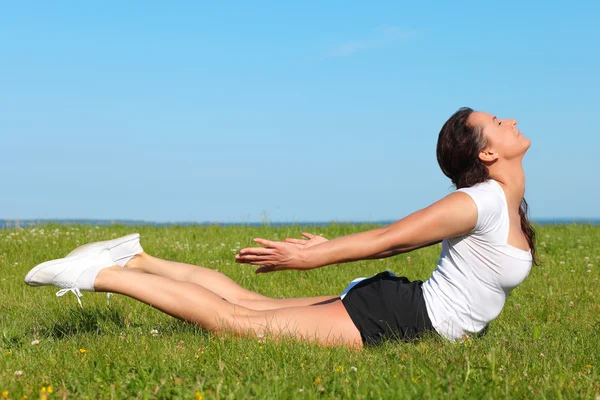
(273, 304)
(327, 324)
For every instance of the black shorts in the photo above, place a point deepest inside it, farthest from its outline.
(387, 307)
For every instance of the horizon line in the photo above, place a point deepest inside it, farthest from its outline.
(31, 223)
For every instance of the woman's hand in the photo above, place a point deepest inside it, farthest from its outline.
(313, 240)
(274, 256)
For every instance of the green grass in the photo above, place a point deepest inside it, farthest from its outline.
(546, 342)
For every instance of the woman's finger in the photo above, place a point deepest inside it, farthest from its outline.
(308, 235)
(242, 261)
(252, 262)
(295, 241)
(265, 242)
(256, 250)
(252, 257)
(299, 246)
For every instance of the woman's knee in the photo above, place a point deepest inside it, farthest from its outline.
(257, 304)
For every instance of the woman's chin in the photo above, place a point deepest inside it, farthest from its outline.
(527, 143)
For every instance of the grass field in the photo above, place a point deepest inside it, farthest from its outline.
(545, 344)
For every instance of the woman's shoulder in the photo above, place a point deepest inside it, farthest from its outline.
(489, 185)
(489, 191)
(488, 198)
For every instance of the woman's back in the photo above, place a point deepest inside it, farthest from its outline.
(476, 272)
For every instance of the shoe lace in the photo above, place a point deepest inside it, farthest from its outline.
(75, 290)
(77, 293)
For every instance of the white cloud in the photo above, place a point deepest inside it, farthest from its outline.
(384, 36)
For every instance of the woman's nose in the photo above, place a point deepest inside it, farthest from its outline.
(513, 123)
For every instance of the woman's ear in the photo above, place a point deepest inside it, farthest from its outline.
(488, 155)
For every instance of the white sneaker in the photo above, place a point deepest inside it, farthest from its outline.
(121, 249)
(71, 274)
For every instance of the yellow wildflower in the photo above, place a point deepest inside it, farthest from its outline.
(317, 380)
(198, 396)
(5, 394)
(82, 350)
(340, 368)
(50, 390)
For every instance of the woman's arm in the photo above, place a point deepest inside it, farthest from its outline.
(391, 253)
(313, 240)
(454, 215)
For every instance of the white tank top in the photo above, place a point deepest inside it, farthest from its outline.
(476, 272)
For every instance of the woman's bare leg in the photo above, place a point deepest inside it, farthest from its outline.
(327, 324)
(217, 283)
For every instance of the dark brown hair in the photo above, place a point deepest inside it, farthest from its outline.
(458, 147)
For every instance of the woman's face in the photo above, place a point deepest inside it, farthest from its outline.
(504, 140)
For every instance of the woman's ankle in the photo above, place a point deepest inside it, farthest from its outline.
(137, 262)
(103, 279)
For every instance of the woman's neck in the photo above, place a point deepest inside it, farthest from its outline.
(512, 180)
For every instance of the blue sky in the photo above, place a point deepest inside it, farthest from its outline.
(242, 111)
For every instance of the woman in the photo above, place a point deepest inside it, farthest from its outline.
(488, 249)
